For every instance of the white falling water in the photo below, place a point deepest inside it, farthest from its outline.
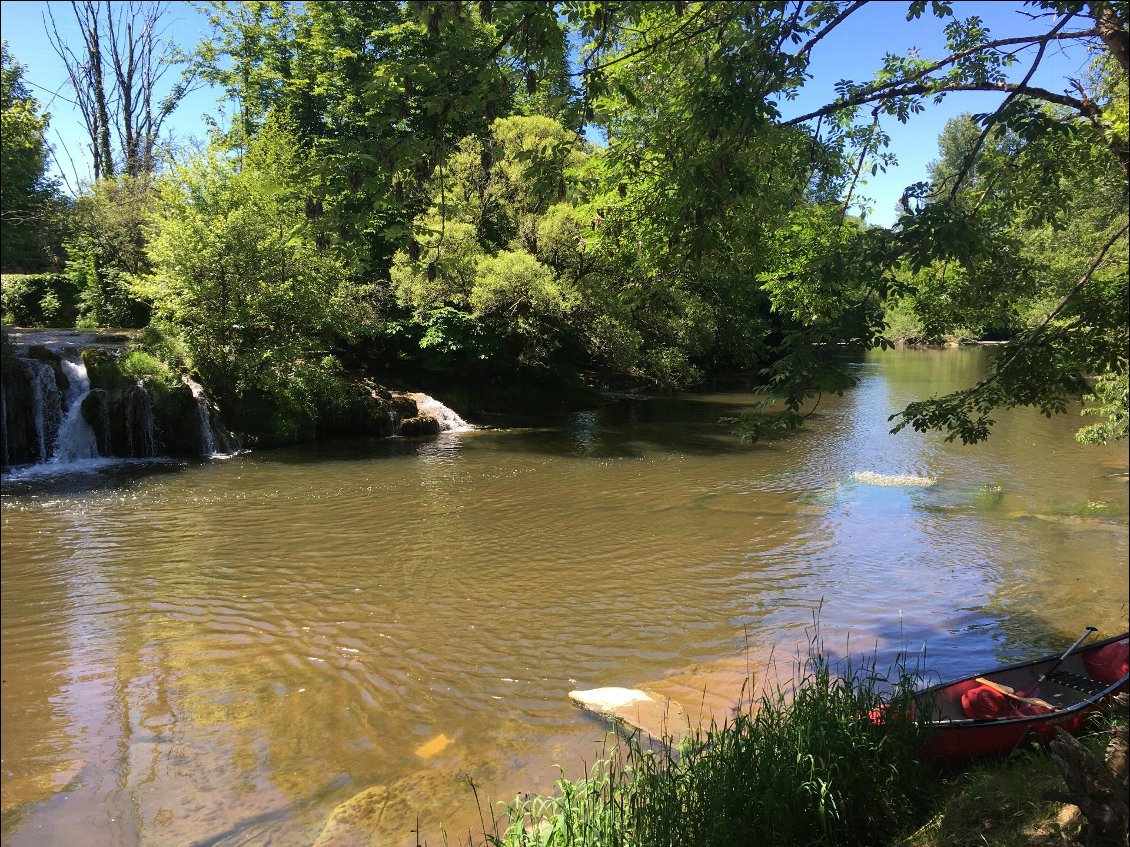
(449, 421)
(207, 439)
(215, 440)
(77, 440)
(47, 406)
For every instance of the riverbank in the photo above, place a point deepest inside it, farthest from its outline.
(809, 772)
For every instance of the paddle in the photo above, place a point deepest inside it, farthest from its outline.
(1086, 634)
(1011, 692)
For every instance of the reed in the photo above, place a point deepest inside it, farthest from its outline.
(805, 766)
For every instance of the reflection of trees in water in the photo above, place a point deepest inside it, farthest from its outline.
(40, 747)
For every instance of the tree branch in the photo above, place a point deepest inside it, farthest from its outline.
(1038, 330)
(922, 89)
(967, 161)
(831, 25)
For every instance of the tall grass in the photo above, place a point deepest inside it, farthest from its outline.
(803, 767)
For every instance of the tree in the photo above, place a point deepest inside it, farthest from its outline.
(116, 75)
(236, 276)
(1029, 169)
(106, 249)
(28, 208)
(710, 231)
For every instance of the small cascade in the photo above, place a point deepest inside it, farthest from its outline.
(52, 421)
(140, 431)
(76, 440)
(449, 421)
(215, 440)
(47, 407)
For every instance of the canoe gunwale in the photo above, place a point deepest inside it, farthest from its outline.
(953, 737)
(1091, 700)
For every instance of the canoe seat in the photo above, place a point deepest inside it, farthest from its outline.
(1075, 682)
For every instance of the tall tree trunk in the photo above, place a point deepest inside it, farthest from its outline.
(88, 20)
(114, 76)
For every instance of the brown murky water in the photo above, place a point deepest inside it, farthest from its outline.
(221, 653)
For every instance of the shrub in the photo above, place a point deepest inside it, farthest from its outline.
(46, 299)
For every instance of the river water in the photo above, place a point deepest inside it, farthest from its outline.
(220, 653)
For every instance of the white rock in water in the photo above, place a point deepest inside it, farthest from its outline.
(652, 714)
(608, 700)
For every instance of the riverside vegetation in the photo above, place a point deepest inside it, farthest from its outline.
(802, 768)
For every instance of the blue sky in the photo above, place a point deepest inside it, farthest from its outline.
(853, 51)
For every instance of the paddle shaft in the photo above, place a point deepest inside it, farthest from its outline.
(1086, 634)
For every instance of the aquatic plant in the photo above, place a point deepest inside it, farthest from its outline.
(988, 496)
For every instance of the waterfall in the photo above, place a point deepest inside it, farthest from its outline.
(77, 440)
(215, 440)
(46, 406)
(449, 421)
(204, 414)
(47, 430)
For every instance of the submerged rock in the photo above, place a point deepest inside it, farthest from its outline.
(39, 786)
(390, 814)
(434, 747)
(894, 480)
(651, 714)
(356, 820)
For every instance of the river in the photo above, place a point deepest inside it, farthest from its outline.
(220, 653)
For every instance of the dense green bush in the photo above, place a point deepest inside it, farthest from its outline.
(107, 251)
(47, 299)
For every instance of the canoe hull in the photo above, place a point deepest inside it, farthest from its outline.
(956, 735)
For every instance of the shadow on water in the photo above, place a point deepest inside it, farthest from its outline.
(980, 647)
(622, 428)
(90, 476)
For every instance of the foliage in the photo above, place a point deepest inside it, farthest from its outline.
(1108, 399)
(235, 275)
(140, 365)
(480, 249)
(1034, 250)
(444, 154)
(107, 249)
(808, 770)
(47, 299)
(28, 205)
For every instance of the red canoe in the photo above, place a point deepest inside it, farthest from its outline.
(997, 711)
